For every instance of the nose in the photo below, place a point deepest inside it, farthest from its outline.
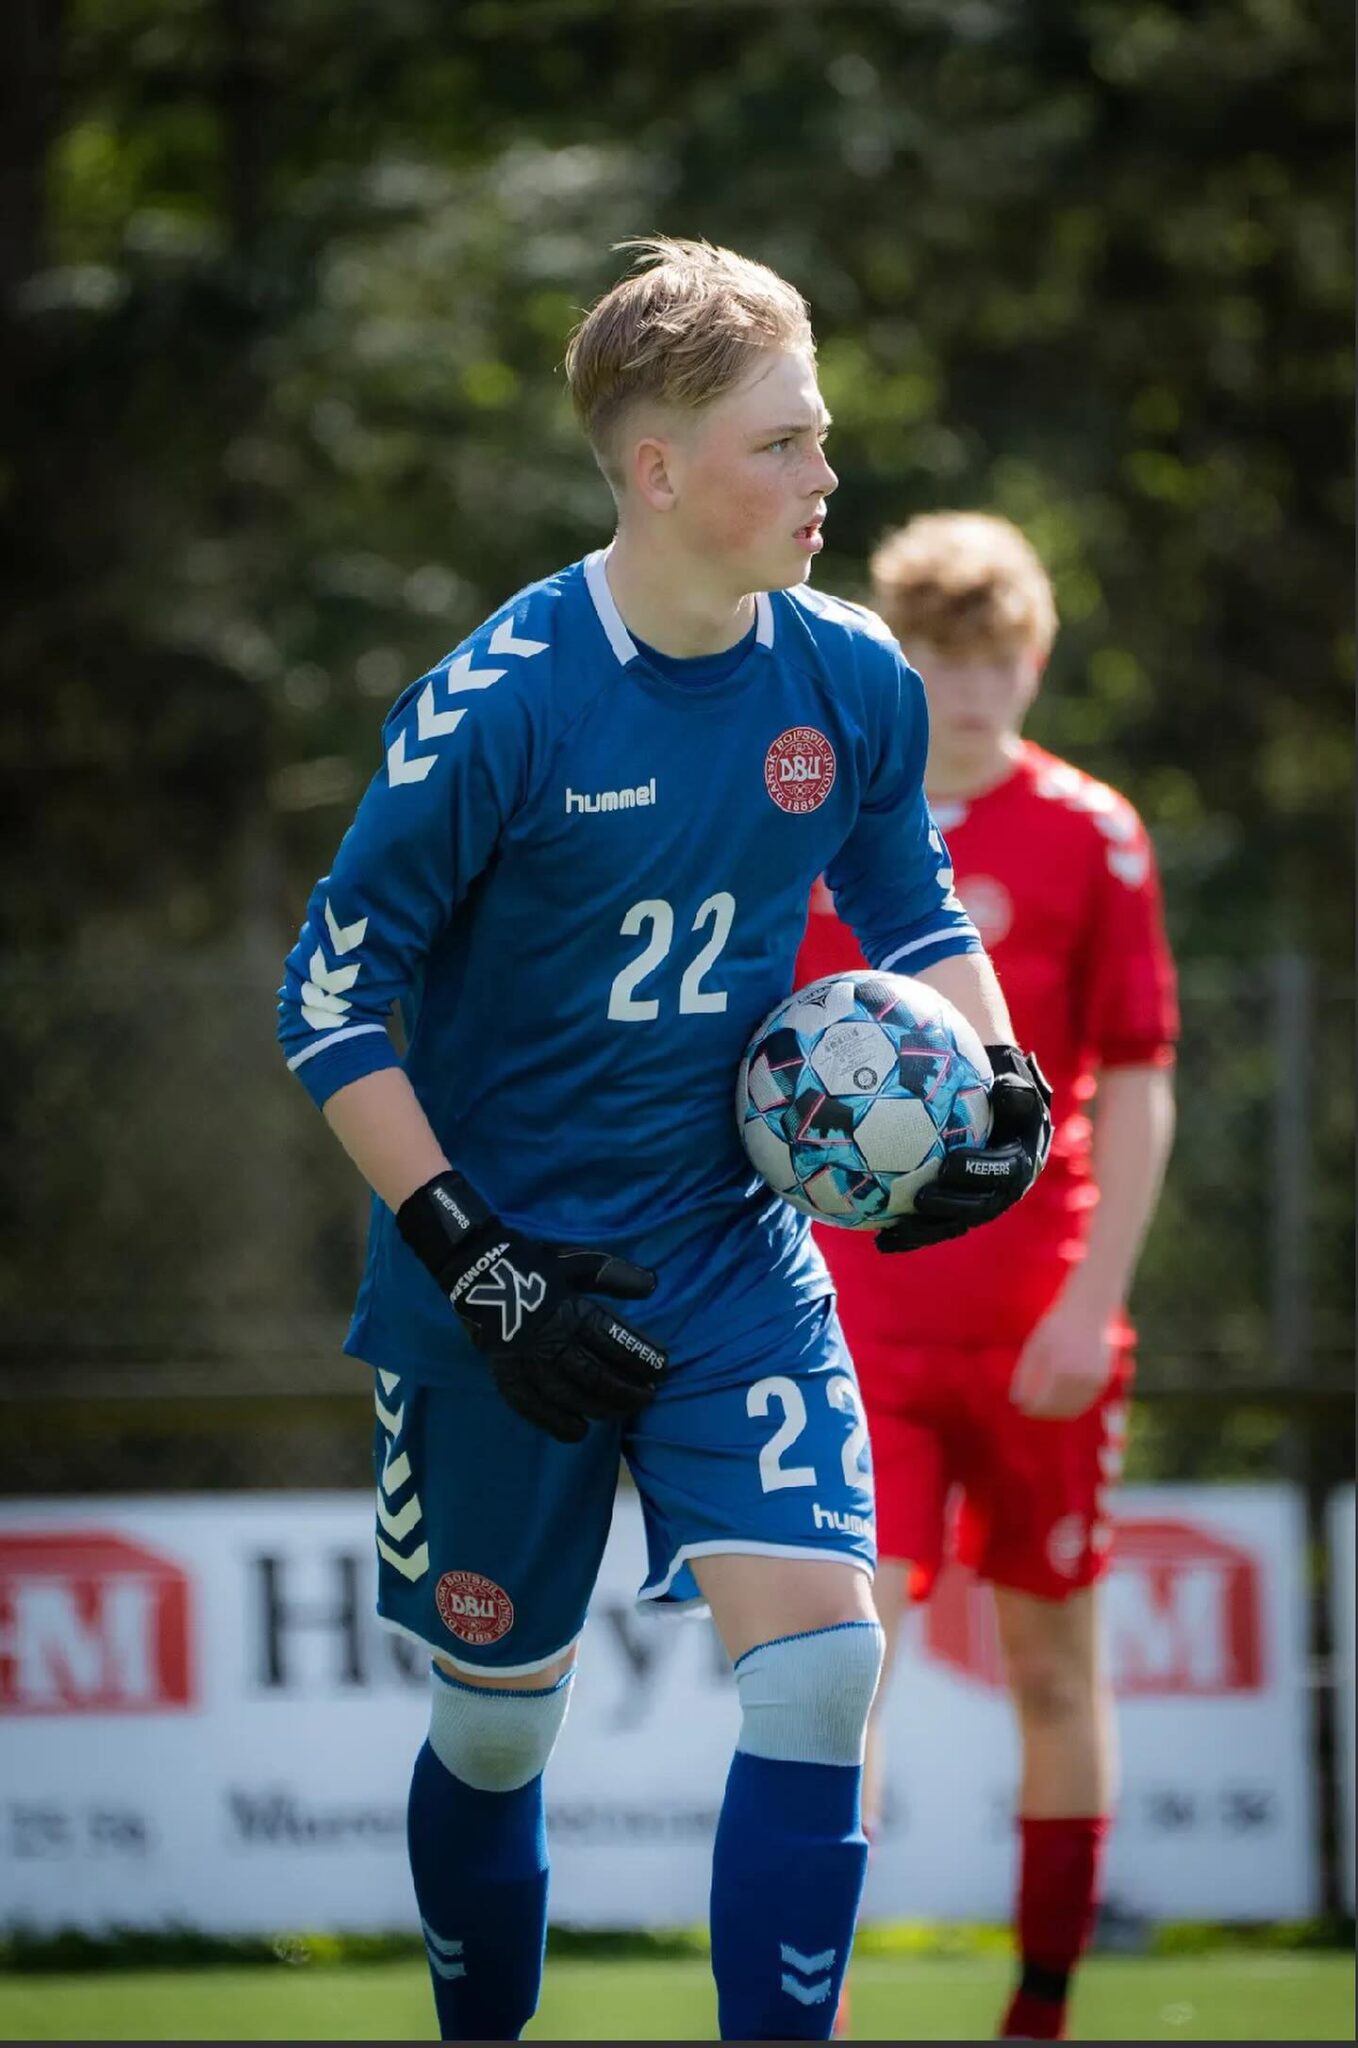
(826, 480)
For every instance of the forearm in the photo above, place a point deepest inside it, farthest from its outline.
(380, 1124)
(968, 981)
(557, 1358)
(1133, 1133)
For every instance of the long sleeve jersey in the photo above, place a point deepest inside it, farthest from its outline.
(584, 882)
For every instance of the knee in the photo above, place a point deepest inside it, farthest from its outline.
(492, 1740)
(1051, 1691)
(806, 1698)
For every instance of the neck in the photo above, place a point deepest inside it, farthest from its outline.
(673, 603)
(960, 771)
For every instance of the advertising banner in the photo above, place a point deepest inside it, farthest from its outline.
(202, 1722)
(1205, 1626)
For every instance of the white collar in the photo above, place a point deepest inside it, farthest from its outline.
(610, 618)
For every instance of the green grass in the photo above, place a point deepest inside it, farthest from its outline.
(1233, 1995)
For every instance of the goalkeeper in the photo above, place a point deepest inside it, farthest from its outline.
(582, 876)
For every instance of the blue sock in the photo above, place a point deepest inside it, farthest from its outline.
(479, 1861)
(787, 1875)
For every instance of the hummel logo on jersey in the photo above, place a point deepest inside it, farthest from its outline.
(612, 799)
(509, 1290)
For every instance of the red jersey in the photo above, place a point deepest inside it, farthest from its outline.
(1059, 878)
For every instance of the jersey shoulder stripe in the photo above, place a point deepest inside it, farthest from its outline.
(512, 662)
(1112, 819)
(837, 614)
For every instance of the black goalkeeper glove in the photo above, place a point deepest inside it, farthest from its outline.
(558, 1360)
(976, 1187)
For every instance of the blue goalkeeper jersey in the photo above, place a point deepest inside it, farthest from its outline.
(583, 877)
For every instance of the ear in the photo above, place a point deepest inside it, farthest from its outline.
(652, 477)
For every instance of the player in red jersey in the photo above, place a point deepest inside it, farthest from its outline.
(996, 1368)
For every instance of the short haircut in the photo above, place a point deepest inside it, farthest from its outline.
(965, 582)
(684, 326)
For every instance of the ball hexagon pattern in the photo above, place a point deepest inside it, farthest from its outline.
(896, 1134)
(852, 1092)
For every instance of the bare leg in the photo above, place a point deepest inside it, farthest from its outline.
(1065, 1715)
(890, 1594)
(1063, 1702)
(755, 1599)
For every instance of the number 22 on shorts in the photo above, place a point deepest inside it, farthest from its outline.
(777, 1388)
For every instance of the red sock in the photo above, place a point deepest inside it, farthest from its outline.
(1058, 1890)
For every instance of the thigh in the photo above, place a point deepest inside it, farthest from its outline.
(489, 1534)
(891, 1598)
(760, 1451)
(758, 1599)
(1036, 1510)
(1048, 1634)
(913, 1463)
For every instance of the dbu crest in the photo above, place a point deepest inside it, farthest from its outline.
(799, 769)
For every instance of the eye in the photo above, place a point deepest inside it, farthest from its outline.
(776, 447)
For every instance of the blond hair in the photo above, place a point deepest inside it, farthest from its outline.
(965, 582)
(682, 327)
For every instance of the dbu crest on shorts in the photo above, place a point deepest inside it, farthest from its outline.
(490, 1534)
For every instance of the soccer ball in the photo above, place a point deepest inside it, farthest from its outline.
(853, 1089)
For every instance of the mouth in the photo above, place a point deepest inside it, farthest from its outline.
(809, 536)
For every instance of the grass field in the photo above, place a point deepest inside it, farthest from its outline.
(1226, 1995)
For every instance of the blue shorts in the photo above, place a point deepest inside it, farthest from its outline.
(490, 1534)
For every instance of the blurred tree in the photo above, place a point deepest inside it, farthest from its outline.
(283, 297)
(309, 270)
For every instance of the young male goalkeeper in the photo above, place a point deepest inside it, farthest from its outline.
(999, 1367)
(582, 870)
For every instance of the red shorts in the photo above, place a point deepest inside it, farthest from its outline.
(1030, 1497)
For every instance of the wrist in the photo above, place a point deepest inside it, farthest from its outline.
(441, 1219)
(1091, 1295)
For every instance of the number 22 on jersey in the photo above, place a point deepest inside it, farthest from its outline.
(654, 918)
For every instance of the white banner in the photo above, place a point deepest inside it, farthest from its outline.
(203, 1722)
(1341, 1533)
